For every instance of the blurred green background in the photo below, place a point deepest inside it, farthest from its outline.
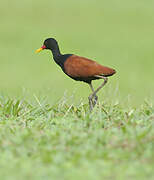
(118, 34)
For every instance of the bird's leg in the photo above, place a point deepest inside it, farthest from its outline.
(93, 95)
(105, 81)
(90, 98)
(90, 103)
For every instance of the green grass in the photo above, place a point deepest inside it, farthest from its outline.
(42, 141)
(46, 130)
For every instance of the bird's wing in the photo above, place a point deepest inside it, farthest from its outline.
(76, 66)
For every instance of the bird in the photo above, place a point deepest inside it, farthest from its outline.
(79, 68)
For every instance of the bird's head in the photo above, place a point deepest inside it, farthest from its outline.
(49, 43)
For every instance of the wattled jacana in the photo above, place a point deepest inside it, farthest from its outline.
(79, 68)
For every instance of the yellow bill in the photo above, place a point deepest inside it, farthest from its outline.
(38, 50)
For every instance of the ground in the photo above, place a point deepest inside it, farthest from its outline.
(42, 141)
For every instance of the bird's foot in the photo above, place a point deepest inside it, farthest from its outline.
(95, 100)
(92, 101)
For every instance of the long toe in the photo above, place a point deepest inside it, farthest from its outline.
(95, 99)
(90, 103)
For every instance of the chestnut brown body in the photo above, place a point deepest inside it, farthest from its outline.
(84, 69)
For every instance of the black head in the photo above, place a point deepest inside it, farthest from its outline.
(49, 43)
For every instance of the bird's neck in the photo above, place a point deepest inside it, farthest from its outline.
(56, 54)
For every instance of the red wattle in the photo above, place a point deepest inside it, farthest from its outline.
(43, 47)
